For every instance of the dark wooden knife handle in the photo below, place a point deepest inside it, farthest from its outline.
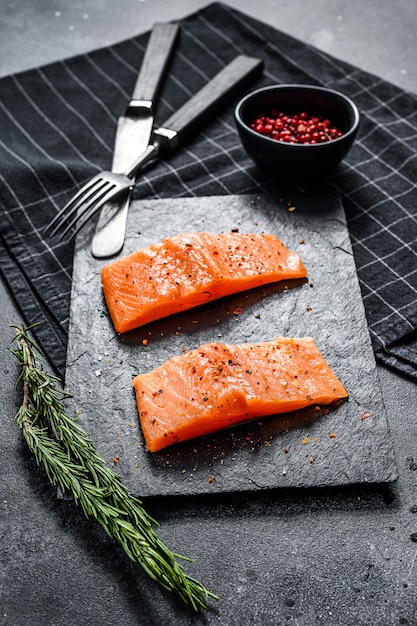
(228, 83)
(157, 55)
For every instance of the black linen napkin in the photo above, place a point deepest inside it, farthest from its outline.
(57, 127)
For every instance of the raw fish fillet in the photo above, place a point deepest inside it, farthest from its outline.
(220, 385)
(187, 270)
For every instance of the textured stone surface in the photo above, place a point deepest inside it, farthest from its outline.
(327, 306)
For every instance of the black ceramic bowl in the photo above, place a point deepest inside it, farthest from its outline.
(299, 161)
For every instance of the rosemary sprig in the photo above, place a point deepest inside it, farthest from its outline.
(70, 460)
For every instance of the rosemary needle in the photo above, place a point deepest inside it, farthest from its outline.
(70, 460)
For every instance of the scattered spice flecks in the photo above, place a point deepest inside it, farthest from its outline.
(210, 480)
(365, 415)
(145, 342)
(332, 435)
(304, 441)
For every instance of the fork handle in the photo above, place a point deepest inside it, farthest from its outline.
(208, 101)
(157, 55)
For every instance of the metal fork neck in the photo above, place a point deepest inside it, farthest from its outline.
(150, 153)
(164, 140)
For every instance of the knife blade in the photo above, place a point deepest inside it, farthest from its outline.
(134, 131)
(189, 118)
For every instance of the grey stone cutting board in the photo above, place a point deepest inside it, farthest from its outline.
(349, 444)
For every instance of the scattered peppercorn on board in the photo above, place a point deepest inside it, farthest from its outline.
(319, 446)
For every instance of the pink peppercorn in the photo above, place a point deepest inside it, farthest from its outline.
(296, 127)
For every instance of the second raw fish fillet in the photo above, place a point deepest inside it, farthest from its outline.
(220, 385)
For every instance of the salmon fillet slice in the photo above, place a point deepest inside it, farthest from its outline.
(190, 269)
(219, 385)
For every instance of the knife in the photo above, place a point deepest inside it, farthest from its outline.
(134, 131)
(190, 117)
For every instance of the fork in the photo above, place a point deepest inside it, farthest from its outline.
(100, 189)
(107, 186)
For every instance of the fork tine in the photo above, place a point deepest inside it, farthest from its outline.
(107, 192)
(67, 208)
(89, 195)
(88, 204)
(92, 209)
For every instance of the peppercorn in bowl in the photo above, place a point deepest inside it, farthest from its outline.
(297, 131)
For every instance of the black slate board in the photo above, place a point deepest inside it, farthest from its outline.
(294, 450)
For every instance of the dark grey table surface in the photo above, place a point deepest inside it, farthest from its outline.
(330, 557)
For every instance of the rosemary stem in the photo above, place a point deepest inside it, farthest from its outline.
(61, 446)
